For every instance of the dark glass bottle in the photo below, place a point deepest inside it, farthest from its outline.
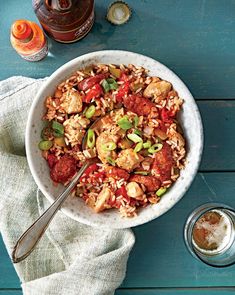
(65, 21)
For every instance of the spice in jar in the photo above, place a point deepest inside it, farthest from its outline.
(28, 39)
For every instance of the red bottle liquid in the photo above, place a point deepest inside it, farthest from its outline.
(28, 39)
(65, 21)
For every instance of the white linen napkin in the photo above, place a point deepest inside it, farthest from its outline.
(71, 258)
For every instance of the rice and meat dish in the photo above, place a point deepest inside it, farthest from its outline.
(138, 139)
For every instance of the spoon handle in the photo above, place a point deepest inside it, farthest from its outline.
(33, 234)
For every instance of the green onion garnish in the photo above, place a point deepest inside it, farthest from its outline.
(134, 137)
(124, 123)
(111, 161)
(161, 191)
(138, 147)
(45, 145)
(147, 144)
(155, 148)
(141, 172)
(136, 121)
(105, 85)
(58, 129)
(112, 84)
(138, 132)
(109, 146)
(90, 138)
(90, 112)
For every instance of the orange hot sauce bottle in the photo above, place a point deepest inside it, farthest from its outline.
(28, 39)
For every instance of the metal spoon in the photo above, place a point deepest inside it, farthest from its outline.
(33, 234)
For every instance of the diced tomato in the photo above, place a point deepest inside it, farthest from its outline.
(90, 169)
(123, 90)
(122, 192)
(90, 82)
(167, 115)
(95, 92)
(123, 77)
(51, 160)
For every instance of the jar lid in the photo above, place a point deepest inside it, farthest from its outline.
(118, 13)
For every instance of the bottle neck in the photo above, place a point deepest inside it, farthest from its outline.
(22, 31)
(59, 5)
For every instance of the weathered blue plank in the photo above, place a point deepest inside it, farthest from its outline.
(194, 38)
(219, 122)
(8, 277)
(159, 258)
(157, 291)
(173, 291)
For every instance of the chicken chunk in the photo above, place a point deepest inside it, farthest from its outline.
(128, 159)
(103, 139)
(160, 88)
(72, 101)
(134, 190)
(102, 199)
(74, 129)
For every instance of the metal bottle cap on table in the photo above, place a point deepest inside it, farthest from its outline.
(118, 13)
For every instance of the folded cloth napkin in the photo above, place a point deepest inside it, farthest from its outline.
(71, 258)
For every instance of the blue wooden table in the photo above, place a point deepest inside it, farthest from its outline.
(196, 39)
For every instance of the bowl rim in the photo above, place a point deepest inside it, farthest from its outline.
(65, 67)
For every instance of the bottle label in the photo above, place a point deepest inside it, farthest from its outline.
(75, 34)
(38, 55)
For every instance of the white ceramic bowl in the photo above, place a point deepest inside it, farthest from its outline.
(75, 207)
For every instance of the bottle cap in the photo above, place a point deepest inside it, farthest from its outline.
(118, 13)
(21, 29)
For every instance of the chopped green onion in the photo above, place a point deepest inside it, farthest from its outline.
(124, 123)
(105, 85)
(136, 121)
(138, 147)
(46, 133)
(111, 161)
(141, 172)
(111, 80)
(155, 148)
(58, 129)
(161, 191)
(109, 146)
(134, 137)
(45, 145)
(90, 138)
(147, 144)
(112, 84)
(90, 112)
(138, 132)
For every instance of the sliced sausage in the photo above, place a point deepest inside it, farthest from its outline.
(150, 182)
(163, 162)
(117, 173)
(140, 105)
(63, 169)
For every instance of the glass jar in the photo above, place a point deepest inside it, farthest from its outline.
(65, 21)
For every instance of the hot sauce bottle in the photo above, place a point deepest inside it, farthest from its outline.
(65, 21)
(28, 39)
